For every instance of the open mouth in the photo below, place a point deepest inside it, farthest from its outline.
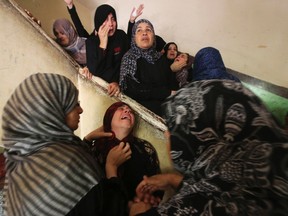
(125, 117)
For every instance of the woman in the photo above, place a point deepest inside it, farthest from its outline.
(67, 37)
(118, 124)
(209, 65)
(106, 48)
(145, 75)
(230, 152)
(49, 170)
(184, 75)
(170, 50)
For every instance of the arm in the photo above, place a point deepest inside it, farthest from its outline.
(76, 20)
(133, 16)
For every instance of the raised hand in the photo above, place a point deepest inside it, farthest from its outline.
(136, 13)
(69, 3)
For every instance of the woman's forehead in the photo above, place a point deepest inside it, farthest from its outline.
(144, 25)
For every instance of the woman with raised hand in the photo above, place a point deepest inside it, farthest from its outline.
(145, 74)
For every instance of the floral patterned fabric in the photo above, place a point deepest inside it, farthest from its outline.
(230, 149)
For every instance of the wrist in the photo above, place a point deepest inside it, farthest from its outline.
(175, 180)
(111, 170)
(70, 6)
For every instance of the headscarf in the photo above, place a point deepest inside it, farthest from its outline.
(231, 151)
(76, 47)
(45, 161)
(208, 64)
(104, 145)
(166, 47)
(129, 61)
(182, 76)
(101, 15)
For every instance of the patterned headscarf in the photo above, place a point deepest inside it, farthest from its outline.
(48, 169)
(230, 149)
(208, 64)
(129, 61)
(76, 47)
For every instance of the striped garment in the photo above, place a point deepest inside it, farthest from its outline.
(48, 169)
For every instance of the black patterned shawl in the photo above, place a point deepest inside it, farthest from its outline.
(230, 149)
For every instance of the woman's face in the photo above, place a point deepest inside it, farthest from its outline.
(183, 57)
(144, 36)
(123, 118)
(73, 117)
(112, 24)
(62, 39)
(172, 52)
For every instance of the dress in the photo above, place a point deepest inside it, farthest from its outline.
(230, 149)
(106, 63)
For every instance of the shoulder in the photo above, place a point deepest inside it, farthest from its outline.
(92, 39)
(121, 33)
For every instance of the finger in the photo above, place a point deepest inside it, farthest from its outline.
(107, 134)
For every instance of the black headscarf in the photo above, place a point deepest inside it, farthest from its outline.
(101, 15)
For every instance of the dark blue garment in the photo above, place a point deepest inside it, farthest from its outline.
(208, 64)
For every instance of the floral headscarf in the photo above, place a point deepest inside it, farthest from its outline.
(229, 148)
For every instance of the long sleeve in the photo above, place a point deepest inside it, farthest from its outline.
(77, 22)
(129, 31)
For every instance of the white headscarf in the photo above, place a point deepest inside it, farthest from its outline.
(76, 47)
